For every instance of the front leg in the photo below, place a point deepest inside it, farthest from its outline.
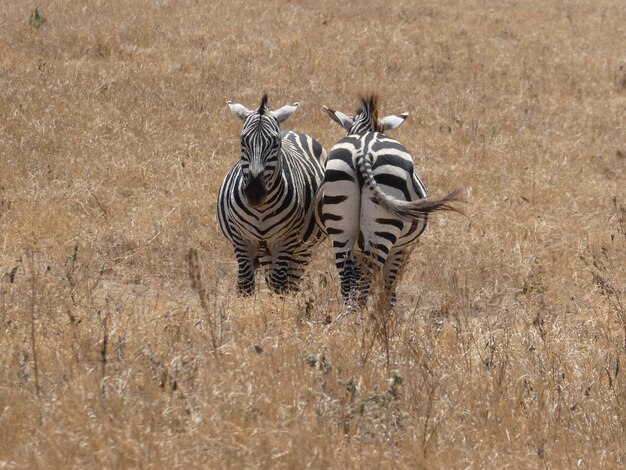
(282, 257)
(248, 263)
(299, 261)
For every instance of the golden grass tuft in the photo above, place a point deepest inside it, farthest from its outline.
(507, 346)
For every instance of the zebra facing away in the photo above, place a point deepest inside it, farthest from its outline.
(372, 203)
(265, 205)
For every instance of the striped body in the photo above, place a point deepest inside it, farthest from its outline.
(373, 203)
(277, 229)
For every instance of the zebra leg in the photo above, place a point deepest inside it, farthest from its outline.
(299, 262)
(372, 266)
(393, 268)
(380, 233)
(265, 263)
(344, 261)
(340, 216)
(247, 263)
(282, 258)
(359, 281)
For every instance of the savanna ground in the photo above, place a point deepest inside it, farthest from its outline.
(507, 348)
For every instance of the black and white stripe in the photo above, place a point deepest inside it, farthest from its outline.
(372, 203)
(265, 205)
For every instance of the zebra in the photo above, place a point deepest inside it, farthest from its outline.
(372, 204)
(265, 205)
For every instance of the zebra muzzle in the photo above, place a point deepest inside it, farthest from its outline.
(255, 191)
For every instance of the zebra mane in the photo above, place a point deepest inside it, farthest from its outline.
(263, 108)
(369, 107)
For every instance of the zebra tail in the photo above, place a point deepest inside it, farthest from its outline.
(407, 209)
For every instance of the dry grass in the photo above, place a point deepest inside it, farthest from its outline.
(507, 348)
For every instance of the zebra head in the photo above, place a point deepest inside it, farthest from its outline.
(366, 118)
(260, 147)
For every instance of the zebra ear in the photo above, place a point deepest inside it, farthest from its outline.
(343, 120)
(239, 110)
(283, 113)
(391, 122)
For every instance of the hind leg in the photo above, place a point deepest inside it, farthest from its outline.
(391, 272)
(370, 269)
(380, 233)
(340, 215)
(343, 248)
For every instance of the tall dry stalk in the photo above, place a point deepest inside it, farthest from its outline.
(193, 264)
(33, 335)
(104, 348)
(382, 317)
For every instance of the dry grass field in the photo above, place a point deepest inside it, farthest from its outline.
(507, 347)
